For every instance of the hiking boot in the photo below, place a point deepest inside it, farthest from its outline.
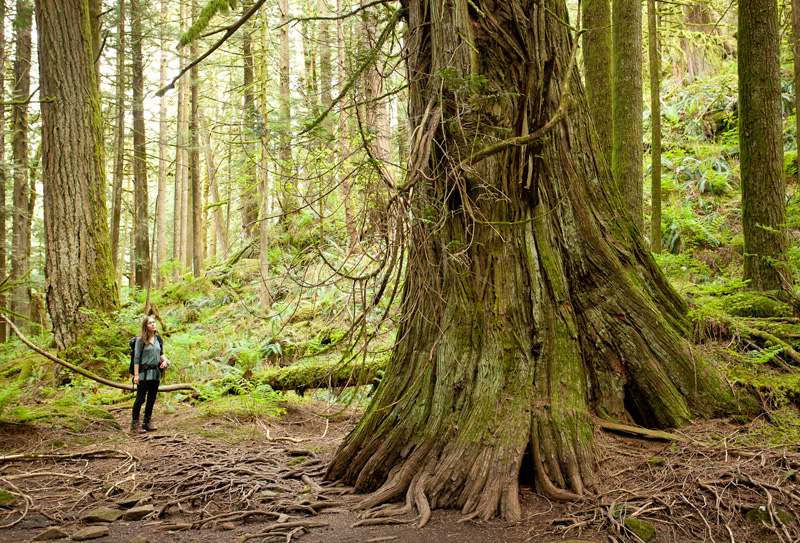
(148, 427)
(136, 428)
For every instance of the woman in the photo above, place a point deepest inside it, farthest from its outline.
(147, 365)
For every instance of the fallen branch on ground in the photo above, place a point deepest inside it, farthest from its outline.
(641, 432)
(88, 374)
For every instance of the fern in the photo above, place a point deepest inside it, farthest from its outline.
(764, 357)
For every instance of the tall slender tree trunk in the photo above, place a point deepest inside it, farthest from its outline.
(3, 172)
(124, 244)
(308, 77)
(250, 185)
(119, 135)
(180, 161)
(161, 201)
(183, 149)
(627, 151)
(20, 263)
(527, 299)
(79, 272)
(374, 127)
(761, 145)
(324, 44)
(699, 25)
(219, 243)
(265, 298)
(286, 189)
(796, 51)
(344, 137)
(140, 197)
(596, 15)
(655, 122)
(194, 163)
(95, 20)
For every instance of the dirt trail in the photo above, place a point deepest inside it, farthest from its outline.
(218, 479)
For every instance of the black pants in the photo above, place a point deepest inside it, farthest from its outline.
(147, 389)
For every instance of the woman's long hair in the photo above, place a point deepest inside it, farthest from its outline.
(143, 336)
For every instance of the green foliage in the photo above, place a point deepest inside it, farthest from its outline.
(682, 229)
(189, 289)
(69, 412)
(10, 394)
(234, 395)
(6, 285)
(755, 305)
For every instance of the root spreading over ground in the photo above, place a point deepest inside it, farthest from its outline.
(710, 487)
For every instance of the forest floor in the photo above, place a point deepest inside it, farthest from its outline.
(215, 479)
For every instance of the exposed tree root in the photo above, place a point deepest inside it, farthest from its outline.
(709, 488)
(543, 482)
(190, 477)
(642, 432)
(379, 521)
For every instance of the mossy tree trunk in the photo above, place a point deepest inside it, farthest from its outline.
(286, 189)
(761, 144)
(21, 225)
(178, 216)
(529, 301)
(626, 86)
(79, 272)
(796, 52)
(3, 175)
(250, 199)
(119, 135)
(655, 123)
(198, 238)
(596, 23)
(163, 156)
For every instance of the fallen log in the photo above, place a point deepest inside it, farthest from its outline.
(323, 375)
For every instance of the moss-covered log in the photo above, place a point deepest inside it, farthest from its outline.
(323, 375)
(529, 298)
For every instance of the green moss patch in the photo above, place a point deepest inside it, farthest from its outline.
(186, 290)
(643, 529)
(6, 498)
(68, 414)
(297, 460)
(760, 515)
(755, 305)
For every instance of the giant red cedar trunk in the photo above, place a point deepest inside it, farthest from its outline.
(79, 272)
(529, 300)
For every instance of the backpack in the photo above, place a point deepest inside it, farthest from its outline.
(132, 343)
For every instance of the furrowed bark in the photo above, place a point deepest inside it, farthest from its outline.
(530, 298)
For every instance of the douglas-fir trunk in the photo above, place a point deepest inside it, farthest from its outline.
(531, 300)
(79, 272)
